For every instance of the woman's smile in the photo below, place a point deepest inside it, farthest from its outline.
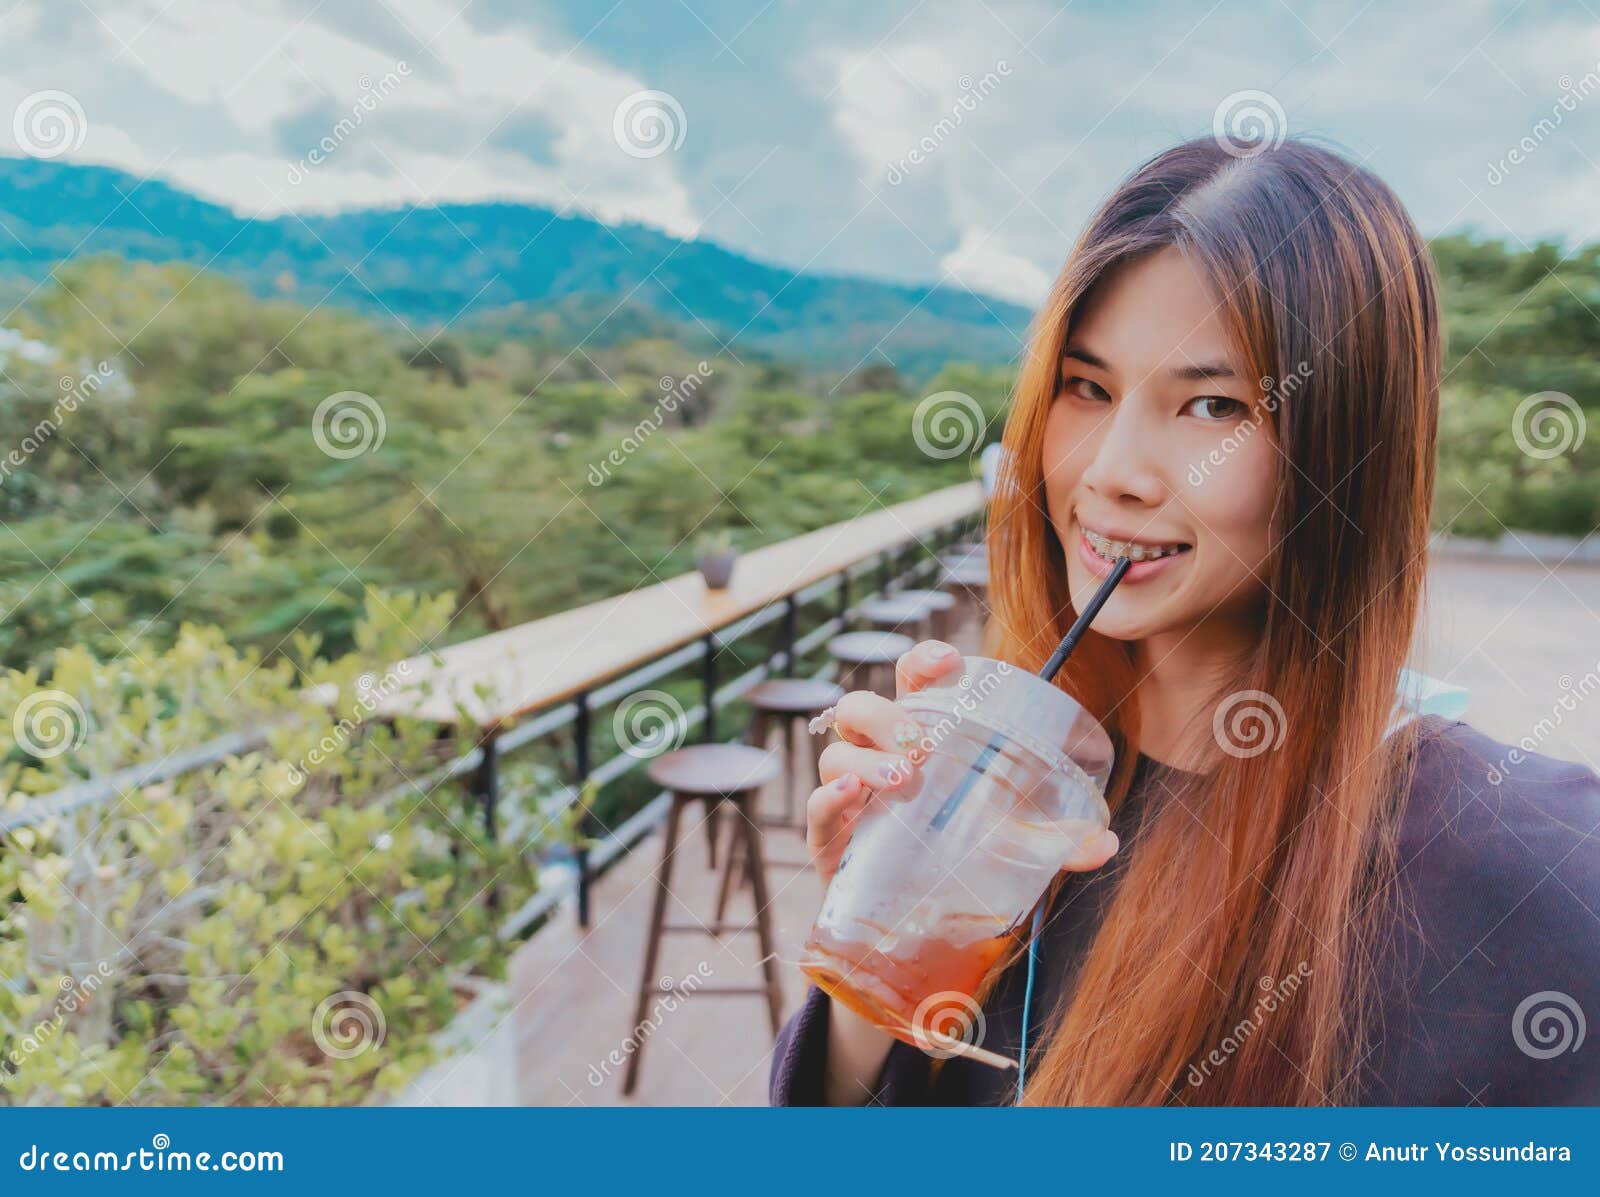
(1150, 558)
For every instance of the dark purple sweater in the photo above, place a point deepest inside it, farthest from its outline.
(1496, 965)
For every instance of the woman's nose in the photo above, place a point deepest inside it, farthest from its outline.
(1125, 465)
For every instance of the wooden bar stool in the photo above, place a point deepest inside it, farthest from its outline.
(968, 582)
(940, 605)
(897, 613)
(864, 656)
(789, 704)
(714, 773)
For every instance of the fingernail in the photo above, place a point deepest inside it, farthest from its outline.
(846, 783)
(939, 650)
(895, 773)
(907, 736)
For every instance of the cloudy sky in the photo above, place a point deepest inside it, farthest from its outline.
(963, 142)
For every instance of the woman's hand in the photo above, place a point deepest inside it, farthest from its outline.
(877, 750)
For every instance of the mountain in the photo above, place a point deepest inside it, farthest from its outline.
(508, 266)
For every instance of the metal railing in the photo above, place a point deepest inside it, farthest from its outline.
(912, 560)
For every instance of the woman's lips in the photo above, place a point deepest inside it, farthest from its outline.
(1137, 572)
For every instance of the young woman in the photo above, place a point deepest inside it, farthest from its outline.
(1238, 369)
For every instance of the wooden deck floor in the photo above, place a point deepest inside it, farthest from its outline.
(575, 991)
(1509, 632)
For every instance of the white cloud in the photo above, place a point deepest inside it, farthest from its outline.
(262, 67)
(981, 263)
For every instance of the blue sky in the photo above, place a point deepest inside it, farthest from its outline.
(791, 126)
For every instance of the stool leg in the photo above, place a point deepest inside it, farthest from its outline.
(713, 815)
(818, 743)
(730, 864)
(769, 948)
(757, 732)
(652, 947)
(789, 755)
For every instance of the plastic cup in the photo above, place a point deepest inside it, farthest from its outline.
(943, 866)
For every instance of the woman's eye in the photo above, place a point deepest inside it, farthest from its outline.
(1084, 389)
(1214, 407)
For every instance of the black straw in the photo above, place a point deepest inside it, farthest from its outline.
(1081, 624)
(1048, 673)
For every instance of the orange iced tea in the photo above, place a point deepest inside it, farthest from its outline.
(902, 983)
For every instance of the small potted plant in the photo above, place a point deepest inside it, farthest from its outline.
(714, 556)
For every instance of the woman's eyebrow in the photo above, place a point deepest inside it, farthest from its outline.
(1192, 373)
(1077, 353)
(1204, 371)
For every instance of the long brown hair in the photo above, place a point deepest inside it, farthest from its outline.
(1272, 869)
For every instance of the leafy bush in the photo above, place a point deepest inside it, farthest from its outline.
(280, 928)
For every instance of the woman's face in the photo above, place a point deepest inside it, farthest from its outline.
(1159, 439)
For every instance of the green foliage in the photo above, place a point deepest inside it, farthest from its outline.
(240, 933)
(1519, 323)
